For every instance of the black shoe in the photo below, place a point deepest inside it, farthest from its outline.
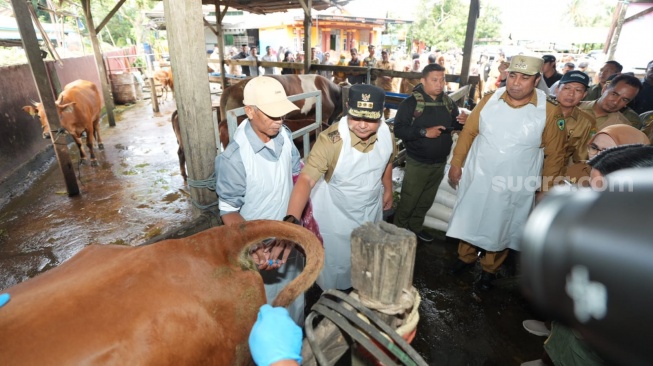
(459, 266)
(424, 236)
(485, 283)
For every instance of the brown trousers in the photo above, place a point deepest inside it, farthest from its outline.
(490, 262)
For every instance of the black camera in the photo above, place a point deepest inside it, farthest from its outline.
(587, 261)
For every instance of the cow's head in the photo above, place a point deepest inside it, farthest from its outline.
(37, 109)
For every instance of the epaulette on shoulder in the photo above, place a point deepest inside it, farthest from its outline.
(552, 101)
(334, 136)
(489, 92)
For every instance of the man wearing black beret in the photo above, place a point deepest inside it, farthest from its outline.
(348, 176)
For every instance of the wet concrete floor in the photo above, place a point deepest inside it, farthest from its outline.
(137, 194)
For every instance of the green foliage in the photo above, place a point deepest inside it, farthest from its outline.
(590, 13)
(443, 23)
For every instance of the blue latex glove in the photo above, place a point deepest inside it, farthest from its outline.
(275, 337)
(4, 298)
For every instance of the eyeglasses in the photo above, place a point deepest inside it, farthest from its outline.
(594, 149)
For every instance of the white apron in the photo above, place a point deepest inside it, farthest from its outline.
(353, 196)
(268, 187)
(502, 172)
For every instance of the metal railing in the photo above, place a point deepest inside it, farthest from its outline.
(304, 132)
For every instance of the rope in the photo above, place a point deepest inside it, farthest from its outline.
(208, 183)
(406, 302)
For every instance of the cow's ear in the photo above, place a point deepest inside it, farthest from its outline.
(66, 108)
(30, 110)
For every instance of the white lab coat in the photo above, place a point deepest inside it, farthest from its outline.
(502, 172)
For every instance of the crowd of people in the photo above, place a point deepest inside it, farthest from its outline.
(540, 128)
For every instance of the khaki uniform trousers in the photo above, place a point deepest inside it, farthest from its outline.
(490, 262)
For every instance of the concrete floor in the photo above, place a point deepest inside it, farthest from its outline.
(137, 194)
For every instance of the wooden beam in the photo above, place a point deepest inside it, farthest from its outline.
(307, 4)
(617, 31)
(39, 73)
(99, 62)
(474, 8)
(219, 15)
(638, 15)
(192, 94)
(109, 16)
(217, 11)
(207, 24)
(613, 25)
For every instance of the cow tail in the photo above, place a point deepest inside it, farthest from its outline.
(253, 232)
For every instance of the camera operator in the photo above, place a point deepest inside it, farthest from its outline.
(577, 273)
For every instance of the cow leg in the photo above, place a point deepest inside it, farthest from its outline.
(82, 153)
(89, 142)
(182, 162)
(96, 131)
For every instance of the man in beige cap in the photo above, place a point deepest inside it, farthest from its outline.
(511, 145)
(254, 179)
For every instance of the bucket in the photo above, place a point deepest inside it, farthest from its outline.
(122, 86)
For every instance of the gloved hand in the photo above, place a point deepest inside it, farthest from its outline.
(4, 298)
(275, 337)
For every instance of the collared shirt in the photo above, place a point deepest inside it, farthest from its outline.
(602, 122)
(580, 128)
(325, 153)
(554, 140)
(230, 171)
(381, 81)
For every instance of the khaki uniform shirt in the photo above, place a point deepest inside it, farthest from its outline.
(554, 139)
(325, 153)
(382, 82)
(614, 118)
(580, 128)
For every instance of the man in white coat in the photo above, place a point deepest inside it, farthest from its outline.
(254, 179)
(511, 141)
(348, 176)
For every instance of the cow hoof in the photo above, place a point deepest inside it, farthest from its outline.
(94, 163)
(100, 146)
(82, 161)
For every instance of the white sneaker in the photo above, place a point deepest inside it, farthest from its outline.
(536, 327)
(533, 363)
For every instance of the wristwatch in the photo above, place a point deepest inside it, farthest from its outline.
(292, 219)
(422, 132)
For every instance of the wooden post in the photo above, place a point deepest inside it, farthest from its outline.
(153, 96)
(33, 52)
(469, 41)
(192, 92)
(617, 30)
(99, 62)
(307, 5)
(382, 262)
(219, 15)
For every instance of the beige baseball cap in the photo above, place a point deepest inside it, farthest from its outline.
(528, 65)
(268, 95)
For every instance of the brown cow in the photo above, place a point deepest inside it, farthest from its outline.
(188, 301)
(78, 107)
(164, 77)
(232, 98)
(180, 151)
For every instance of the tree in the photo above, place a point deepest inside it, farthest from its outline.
(583, 13)
(443, 23)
